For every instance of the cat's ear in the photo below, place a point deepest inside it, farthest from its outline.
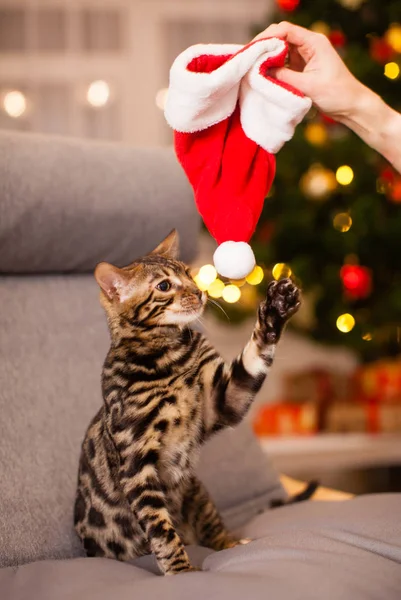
(112, 280)
(169, 247)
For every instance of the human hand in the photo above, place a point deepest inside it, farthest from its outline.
(316, 69)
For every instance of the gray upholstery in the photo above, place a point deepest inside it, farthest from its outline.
(63, 207)
(66, 205)
(312, 551)
(52, 344)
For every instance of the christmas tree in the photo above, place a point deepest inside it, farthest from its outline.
(333, 219)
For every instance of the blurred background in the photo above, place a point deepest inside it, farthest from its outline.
(98, 69)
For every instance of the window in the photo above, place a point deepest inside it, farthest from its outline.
(101, 30)
(50, 30)
(12, 30)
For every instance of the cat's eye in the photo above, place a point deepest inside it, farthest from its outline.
(164, 286)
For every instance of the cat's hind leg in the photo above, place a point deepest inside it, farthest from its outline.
(201, 514)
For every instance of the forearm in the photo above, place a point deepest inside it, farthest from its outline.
(377, 124)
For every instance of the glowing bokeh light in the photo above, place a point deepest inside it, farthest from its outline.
(98, 93)
(14, 104)
(344, 175)
(231, 293)
(281, 270)
(345, 323)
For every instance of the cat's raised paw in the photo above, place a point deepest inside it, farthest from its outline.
(283, 297)
(282, 301)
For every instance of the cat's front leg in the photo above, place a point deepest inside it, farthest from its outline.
(142, 487)
(234, 387)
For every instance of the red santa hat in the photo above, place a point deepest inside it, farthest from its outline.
(230, 117)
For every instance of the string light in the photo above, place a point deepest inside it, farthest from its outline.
(344, 175)
(345, 323)
(207, 274)
(216, 288)
(231, 293)
(393, 37)
(318, 182)
(281, 270)
(256, 276)
(14, 104)
(201, 285)
(316, 134)
(342, 222)
(98, 93)
(321, 27)
(161, 98)
(238, 282)
(367, 337)
(391, 70)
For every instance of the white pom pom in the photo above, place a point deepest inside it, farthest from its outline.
(234, 260)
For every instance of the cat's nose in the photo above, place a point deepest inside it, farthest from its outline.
(199, 293)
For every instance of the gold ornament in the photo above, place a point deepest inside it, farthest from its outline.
(342, 222)
(393, 37)
(316, 134)
(318, 182)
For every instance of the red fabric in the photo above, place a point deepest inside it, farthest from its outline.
(230, 175)
(207, 63)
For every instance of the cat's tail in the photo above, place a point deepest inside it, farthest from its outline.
(306, 494)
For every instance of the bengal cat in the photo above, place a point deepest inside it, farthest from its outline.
(166, 391)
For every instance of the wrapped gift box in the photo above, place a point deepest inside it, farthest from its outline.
(365, 417)
(286, 418)
(380, 381)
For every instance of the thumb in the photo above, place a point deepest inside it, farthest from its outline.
(296, 79)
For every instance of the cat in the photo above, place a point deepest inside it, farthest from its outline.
(166, 391)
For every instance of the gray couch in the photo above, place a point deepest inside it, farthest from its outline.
(64, 206)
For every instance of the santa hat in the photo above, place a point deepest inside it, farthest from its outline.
(230, 117)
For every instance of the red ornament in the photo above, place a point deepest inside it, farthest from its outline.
(288, 5)
(392, 184)
(388, 174)
(395, 191)
(381, 51)
(337, 38)
(357, 281)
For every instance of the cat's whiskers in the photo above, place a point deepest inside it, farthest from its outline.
(219, 306)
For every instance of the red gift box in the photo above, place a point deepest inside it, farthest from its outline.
(285, 418)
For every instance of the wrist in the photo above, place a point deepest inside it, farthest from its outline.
(376, 123)
(363, 104)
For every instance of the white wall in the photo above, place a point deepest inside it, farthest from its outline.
(150, 34)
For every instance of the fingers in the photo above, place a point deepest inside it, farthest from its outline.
(306, 42)
(294, 34)
(293, 78)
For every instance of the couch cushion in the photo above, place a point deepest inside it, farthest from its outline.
(340, 550)
(66, 205)
(53, 343)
